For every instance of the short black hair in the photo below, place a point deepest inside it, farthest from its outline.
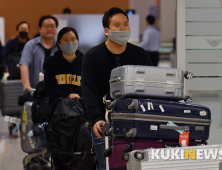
(110, 13)
(65, 30)
(23, 22)
(44, 17)
(150, 19)
(66, 11)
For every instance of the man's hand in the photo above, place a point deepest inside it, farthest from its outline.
(97, 128)
(73, 95)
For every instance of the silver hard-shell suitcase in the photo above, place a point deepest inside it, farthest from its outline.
(30, 141)
(148, 82)
(10, 91)
(151, 159)
(35, 146)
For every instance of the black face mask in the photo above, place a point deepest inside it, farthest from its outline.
(23, 34)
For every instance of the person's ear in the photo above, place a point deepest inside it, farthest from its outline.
(39, 30)
(58, 44)
(17, 33)
(106, 31)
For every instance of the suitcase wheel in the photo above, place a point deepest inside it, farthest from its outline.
(132, 133)
(108, 152)
(188, 75)
(125, 156)
(108, 132)
(133, 105)
(27, 166)
(139, 155)
(129, 148)
(117, 94)
(188, 99)
(107, 129)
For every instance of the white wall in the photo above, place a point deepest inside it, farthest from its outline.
(2, 30)
(168, 19)
(142, 9)
(167, 15)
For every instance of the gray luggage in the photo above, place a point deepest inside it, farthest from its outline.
(10, 91)
(148, 82)
(204, 157)
(33, 137)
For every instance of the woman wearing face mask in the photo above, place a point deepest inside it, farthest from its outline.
(63, 70)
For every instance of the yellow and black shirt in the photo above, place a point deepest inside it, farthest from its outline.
(61, 76)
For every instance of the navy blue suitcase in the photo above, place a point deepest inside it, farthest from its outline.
(147, 118)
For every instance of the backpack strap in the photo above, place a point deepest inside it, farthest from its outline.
(53, 105)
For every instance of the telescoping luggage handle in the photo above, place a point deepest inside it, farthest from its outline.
(185, 128)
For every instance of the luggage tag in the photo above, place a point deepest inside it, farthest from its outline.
(184, 138)
(143, 108)
(12, 120)
(150, 106)
(161, 108)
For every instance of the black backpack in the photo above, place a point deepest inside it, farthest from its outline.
(67, 137)
(40, 104)
(13, 66)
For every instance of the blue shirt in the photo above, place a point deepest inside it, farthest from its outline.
(151, 39)
(33, 56)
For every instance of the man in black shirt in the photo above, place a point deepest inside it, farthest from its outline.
(17, 44)
(97, 65)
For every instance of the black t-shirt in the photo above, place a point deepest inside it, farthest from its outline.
(47, 53)
(20, 47)
(97, 66)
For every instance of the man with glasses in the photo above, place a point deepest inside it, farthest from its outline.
(37, 50)
(34, 54)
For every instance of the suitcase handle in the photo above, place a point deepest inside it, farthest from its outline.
(170, 145)
(169, 91)
(140, 71)
(185, 128)
(170, 74)
(115, 80)
(139, 90)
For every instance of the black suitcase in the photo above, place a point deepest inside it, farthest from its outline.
(10, 91)
(13, 66)
(146, 118)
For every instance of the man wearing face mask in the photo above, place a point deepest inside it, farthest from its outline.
(97, 65)
(17, 44)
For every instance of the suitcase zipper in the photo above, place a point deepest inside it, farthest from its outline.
(168, 83)
(158, 118)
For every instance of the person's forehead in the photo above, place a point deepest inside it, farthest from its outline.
(69, 34)
(24, 25)
(119, 18)
(49, 21)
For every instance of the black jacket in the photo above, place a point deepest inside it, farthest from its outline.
(62, 77)
(11, 47)
(97, 66)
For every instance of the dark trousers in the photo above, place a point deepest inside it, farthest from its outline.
(58, 164)
(154, 56)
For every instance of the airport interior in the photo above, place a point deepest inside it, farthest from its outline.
(190, 39)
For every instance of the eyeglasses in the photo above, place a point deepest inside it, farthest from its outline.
(49, 26)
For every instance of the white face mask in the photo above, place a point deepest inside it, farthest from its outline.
(69, 48)
(119, 37)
